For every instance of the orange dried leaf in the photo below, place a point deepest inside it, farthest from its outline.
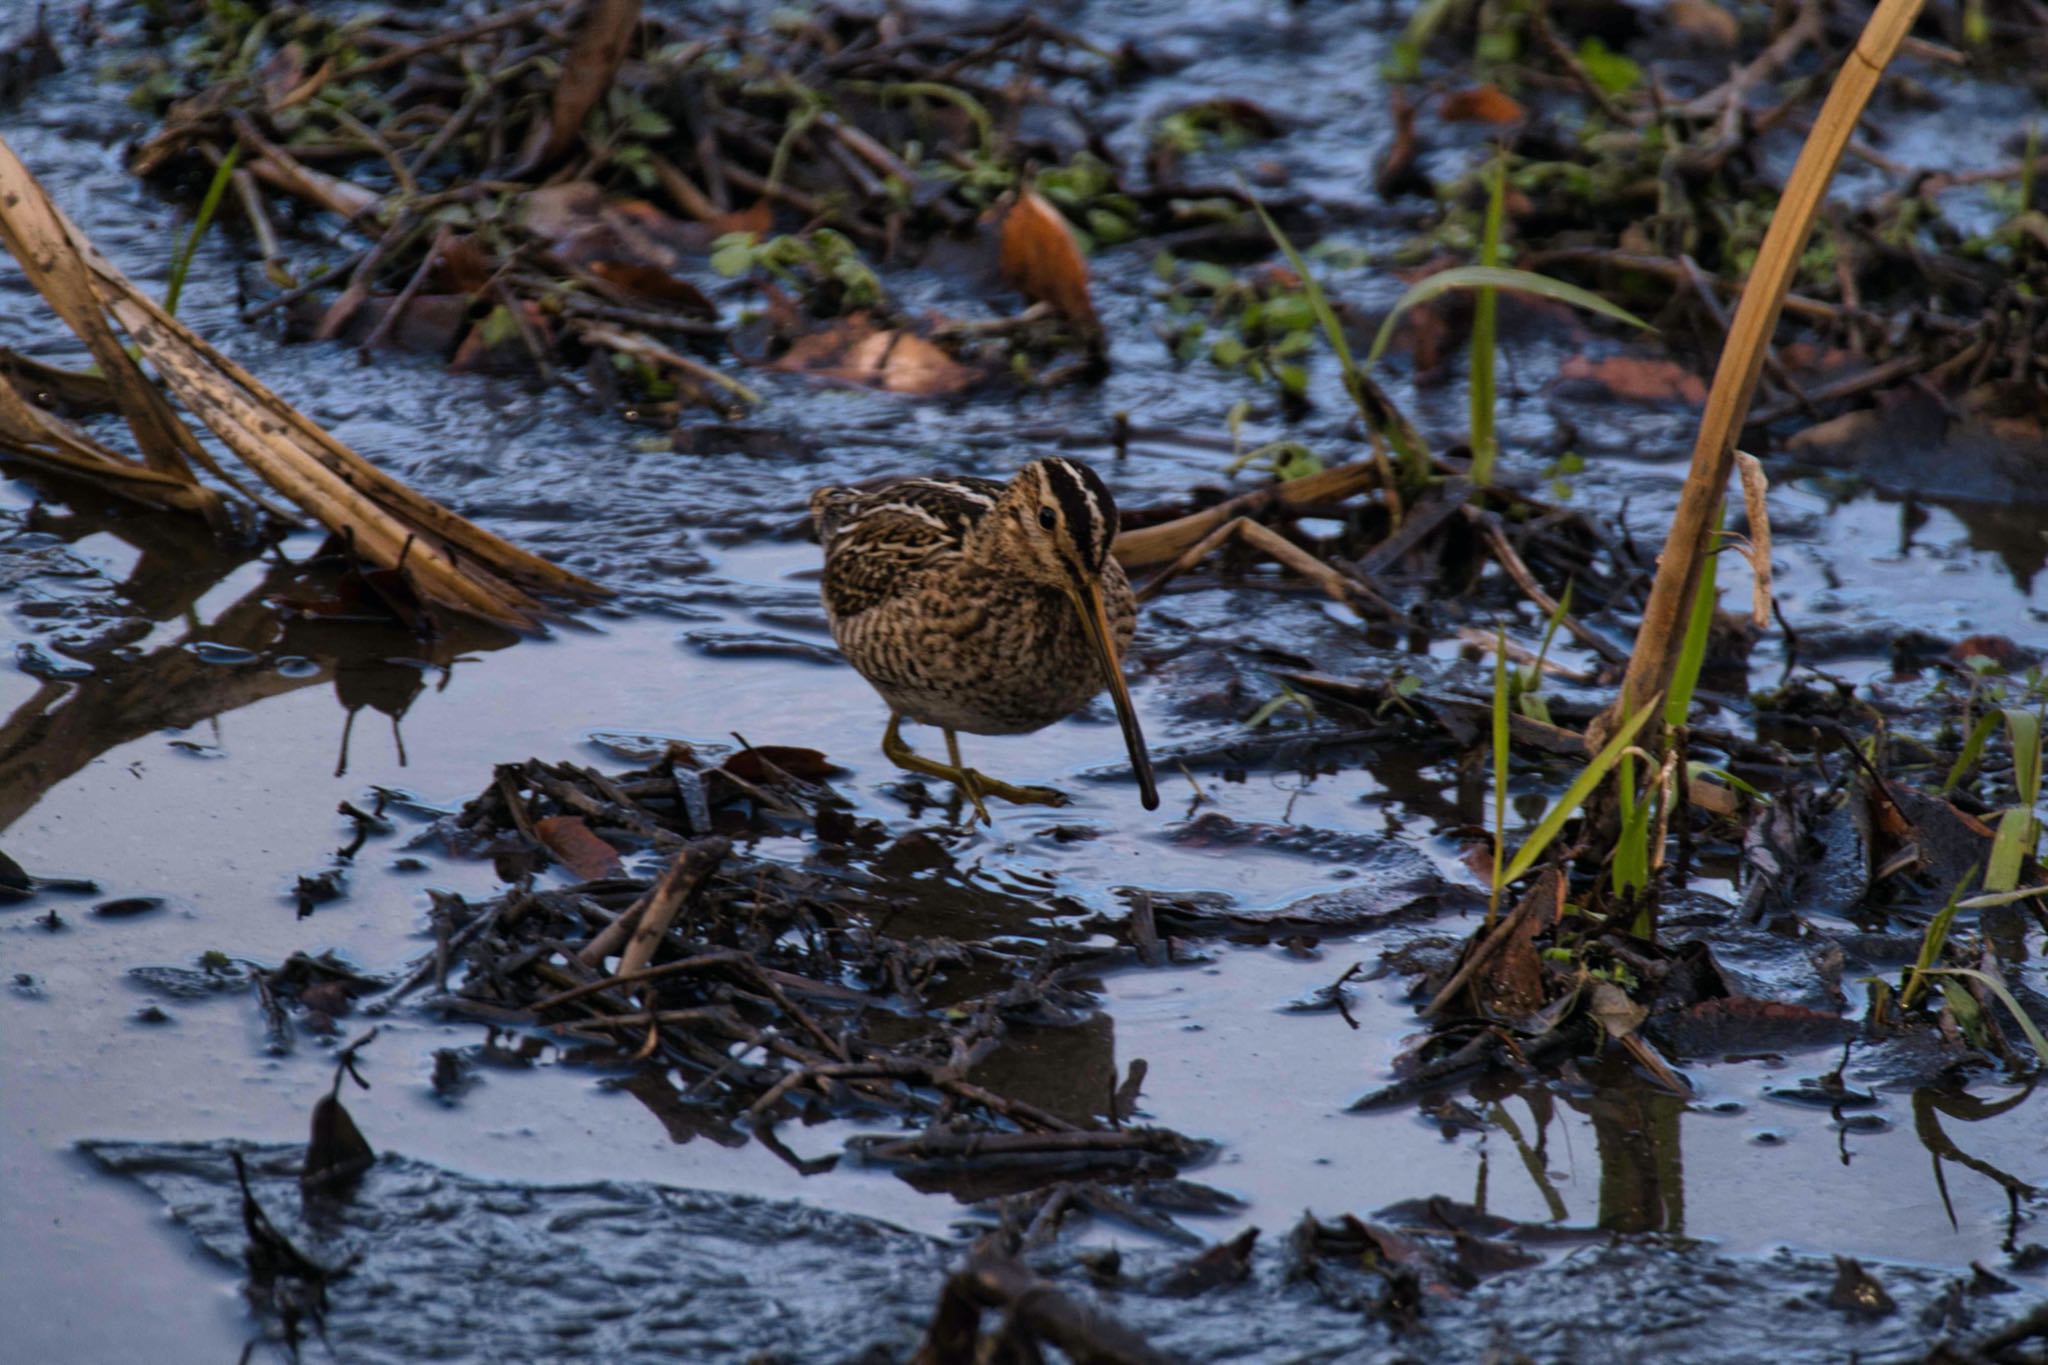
(853, 351)
(576, 847)
(1041, 260)
(1480, 104)
(1638, 379)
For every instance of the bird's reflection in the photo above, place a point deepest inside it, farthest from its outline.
(159, 662)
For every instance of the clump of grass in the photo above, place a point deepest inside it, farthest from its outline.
(1379, 413)
(1506, 871)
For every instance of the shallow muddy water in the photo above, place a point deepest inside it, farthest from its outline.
(169, 736)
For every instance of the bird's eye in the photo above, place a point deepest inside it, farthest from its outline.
(1046, 518)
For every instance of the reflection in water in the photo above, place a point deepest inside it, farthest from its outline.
(1636, 1130)
(1929, 1104)
(156, 665)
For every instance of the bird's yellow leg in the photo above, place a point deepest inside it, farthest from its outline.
(981, 784)
(972, 785)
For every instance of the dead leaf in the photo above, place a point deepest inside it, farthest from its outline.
(336, 1150)
(603, 36)
(1744, 1024)
(283, 73)
(1041, 260)
(462, 263)
(1480, 104)
(1618, 1014)
(1396, 173)
(1997, 648)
(1638, 379)
(629, 249)
(853, 351)
(1704, 22)
(577, 848)
(808, 764)
(1756, 509)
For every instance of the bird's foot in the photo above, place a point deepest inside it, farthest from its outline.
(975, 785)
(971, 784)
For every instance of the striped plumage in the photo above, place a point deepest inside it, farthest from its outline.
(967, 603)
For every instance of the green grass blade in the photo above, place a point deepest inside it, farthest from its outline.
(1695, 768)
(1631, 871)
(1931, 943)
(2009, 849)
(1494, 277)
(1484, 445)
(208, 206)
(1377, 411)
(2003, 897)
(1500, 766)
(1693, 651)
(1575, 795)
(1997, 988)
(1973, 749)
(2023, 727)
(1564, 609)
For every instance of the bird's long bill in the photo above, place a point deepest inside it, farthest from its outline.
(1096, 621)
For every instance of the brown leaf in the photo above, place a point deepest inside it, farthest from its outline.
(627, 248)
(1638, 379)
(478, 354)
(336, 1150)
(1618, 1014)
(758, 217)
(1704, 21)
(853, 351)
(1480, 104)
(602, 39)
(1997, 648)
(1744, 1024)
(1396, 173)
(1041, 260)
(282, 74)
(463, 264)
(577, 848)
(808, 764)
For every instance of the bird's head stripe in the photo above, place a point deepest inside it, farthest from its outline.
(1081, 505)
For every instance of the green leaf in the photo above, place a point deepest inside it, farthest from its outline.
(1500, 766)
(1227, 351)
(1931, 943)
(498, 326)
(1973, 749)
(1495, 277)
(1612, 72)
(1575, 795)
(1997, 988)
(2024, 729)
(645, 122)
(733, 254)
(1692, 651)
(1109, 229)
(2010, 846)
(208, 206)
(1480, 368)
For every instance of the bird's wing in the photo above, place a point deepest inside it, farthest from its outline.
(878, 544)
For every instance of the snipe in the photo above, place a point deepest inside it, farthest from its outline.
(985, 607)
